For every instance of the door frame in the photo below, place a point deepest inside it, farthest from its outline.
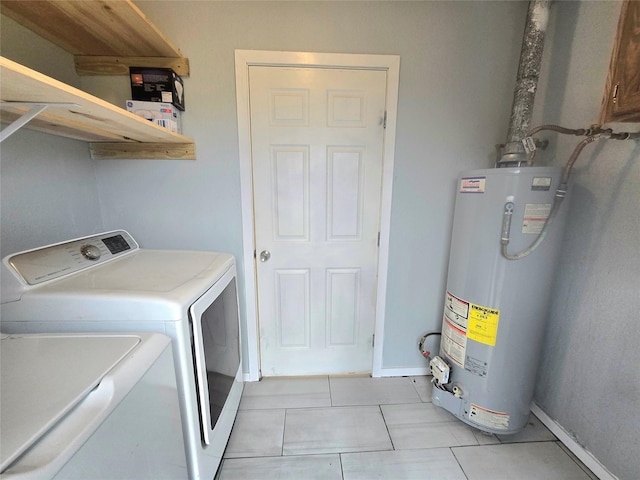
(247, 58)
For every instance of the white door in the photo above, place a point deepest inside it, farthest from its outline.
(317, 149)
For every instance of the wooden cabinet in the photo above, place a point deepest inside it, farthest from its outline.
(621, 102)
(106, 37)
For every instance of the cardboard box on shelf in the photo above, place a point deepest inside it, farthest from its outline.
(164, 114)
(157, 85)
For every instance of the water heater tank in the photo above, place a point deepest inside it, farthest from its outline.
(494, 308)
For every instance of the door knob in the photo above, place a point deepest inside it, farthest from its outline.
(265, 255)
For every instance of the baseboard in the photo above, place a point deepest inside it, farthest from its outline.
(401, 372)
(249, 377)
(383, 372)
(568, 441)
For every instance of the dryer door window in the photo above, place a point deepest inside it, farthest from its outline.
(216, 335)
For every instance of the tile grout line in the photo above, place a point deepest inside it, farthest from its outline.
(458, 462)
(393, 447)
(284, 428)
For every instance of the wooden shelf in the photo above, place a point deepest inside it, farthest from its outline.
(105, 36)
(125, 135)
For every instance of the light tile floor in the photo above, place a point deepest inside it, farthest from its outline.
(348, 428)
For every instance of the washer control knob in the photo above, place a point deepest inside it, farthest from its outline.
(90, 252)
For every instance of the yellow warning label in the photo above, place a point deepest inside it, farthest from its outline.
(483, 324)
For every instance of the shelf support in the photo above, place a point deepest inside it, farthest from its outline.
(34, 110)
(142, 151)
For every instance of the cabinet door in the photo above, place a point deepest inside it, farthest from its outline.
(621, 102)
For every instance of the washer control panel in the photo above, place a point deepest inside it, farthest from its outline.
(53, 261)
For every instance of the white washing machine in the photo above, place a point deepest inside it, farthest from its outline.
(99, 406)
(107, 283)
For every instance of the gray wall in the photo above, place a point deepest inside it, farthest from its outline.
(458, 64)
(48, 190)
(589, 379)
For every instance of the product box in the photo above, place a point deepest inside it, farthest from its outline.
(164, 114)
(157, 85)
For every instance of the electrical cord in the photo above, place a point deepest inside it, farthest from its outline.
(426, 353)
(438, 385)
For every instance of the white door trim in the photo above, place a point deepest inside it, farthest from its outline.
(243, 60)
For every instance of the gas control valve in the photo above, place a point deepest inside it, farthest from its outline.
(439, 370)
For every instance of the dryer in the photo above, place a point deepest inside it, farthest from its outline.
(107, 283)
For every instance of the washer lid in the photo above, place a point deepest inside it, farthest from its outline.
(44, 376)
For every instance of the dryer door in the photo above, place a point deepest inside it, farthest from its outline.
(216, 333)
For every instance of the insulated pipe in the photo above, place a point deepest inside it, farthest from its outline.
(526, 82)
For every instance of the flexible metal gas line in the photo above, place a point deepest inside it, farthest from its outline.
(593, 130)
(594, 133)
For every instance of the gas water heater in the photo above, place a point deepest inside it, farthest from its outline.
(495, 307)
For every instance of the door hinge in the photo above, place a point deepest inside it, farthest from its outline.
(255, 255)
(615, 92)
(373, 340)
(378, 239)
(384, 120)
